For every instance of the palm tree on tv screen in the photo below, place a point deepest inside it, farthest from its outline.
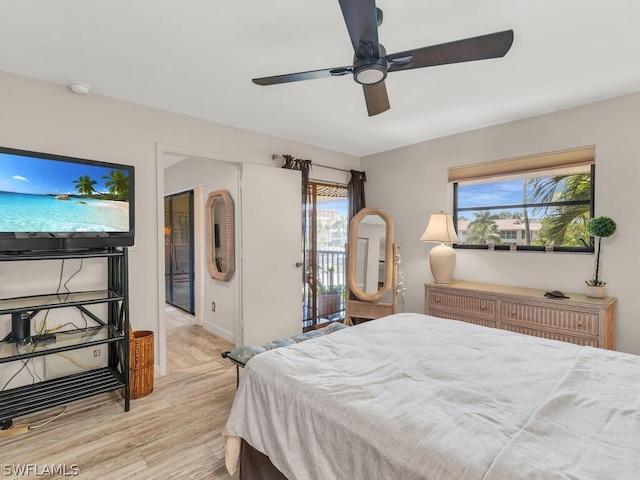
(84, 185)
(118, 184)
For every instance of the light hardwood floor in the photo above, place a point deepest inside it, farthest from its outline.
(173, 433)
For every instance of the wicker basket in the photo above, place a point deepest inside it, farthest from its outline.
(140, 363)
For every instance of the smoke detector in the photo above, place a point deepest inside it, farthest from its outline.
(80, 88)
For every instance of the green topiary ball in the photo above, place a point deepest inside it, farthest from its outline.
(601, 227)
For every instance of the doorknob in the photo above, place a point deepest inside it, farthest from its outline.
(298, 264)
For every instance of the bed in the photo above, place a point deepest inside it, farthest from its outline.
(411, 396)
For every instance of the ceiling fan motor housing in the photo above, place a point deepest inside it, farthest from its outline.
(371, 70)
(368, 71)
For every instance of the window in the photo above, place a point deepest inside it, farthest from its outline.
(533, 202)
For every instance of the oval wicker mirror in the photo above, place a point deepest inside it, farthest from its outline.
(219, 235)
(370, 250)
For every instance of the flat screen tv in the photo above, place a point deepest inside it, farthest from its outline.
(54, 202)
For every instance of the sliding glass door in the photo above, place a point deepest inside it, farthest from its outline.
(324, 299)
(179, 250)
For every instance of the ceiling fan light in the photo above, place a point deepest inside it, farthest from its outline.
(369, 76)
(370, 71)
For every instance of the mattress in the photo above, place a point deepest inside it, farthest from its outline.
(417, 397)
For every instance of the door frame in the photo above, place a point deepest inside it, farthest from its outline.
(162, 151)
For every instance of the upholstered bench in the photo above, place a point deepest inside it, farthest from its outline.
(241, 355)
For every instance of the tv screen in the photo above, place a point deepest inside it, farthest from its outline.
(54, 202)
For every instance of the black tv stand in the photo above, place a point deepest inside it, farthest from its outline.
(111, 330)
(54, 253)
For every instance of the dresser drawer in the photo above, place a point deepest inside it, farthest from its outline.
(591, 342)
(452, 315)
(476, 305)
(548, 317)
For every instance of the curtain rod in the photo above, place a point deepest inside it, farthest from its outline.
(276, 157)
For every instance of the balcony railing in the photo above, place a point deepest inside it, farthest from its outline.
(327, 303)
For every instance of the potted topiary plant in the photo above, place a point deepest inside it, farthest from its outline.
(599, 228)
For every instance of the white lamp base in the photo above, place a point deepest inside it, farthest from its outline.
(442, 260)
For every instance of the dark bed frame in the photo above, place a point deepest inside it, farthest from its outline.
(255, 465)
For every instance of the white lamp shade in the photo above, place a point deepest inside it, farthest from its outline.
(442, 258)
(440, 229)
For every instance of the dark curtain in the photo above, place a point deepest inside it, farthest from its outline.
(355, 190)
(308, 279)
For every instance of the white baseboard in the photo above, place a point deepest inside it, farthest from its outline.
(221, 332)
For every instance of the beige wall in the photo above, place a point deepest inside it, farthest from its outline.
(46, 117)
(411, 182)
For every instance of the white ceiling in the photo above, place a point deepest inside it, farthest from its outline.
(197, 57)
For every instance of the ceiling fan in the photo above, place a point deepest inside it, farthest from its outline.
(371, 62)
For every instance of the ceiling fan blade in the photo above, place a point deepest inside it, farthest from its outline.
(493, 45)
(297, 77)
(362, 24)
(376, 98)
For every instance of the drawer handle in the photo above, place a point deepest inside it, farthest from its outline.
(513, 312)
(580, 322)
(483, 306)
(437, 299)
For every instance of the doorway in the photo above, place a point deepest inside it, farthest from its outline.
(179, 251)
(326, 236)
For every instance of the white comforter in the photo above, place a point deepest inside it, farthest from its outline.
(416, 397)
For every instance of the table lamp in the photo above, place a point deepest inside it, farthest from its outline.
(442, 258)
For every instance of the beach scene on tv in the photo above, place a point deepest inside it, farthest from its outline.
(42, 195)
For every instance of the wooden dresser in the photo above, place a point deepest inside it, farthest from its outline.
(578, 319)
